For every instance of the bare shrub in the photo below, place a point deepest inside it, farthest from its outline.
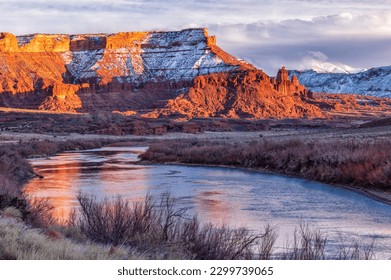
(356, 250)
(267, 242)
(39, 212)
(168, 217)
(160, 224)
(307, 244)
(37, 148)
(8, 191)
(211, 243)
(104, 222)
(143, 218)
(14, 167)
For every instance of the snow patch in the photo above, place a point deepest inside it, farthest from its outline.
(373, 82)
(161, 56)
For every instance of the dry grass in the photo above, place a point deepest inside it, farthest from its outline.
(353, 162)
(20, 242)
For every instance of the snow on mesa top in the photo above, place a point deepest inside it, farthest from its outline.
(174, 73)
(130, 57)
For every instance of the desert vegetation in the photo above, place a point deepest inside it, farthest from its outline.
(152, 229)
(20, 241)
(353, 162)
(156, 228)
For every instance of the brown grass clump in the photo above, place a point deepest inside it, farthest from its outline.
(354, 162)
(20, 242)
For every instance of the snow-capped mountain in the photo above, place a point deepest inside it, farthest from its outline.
(374, 82)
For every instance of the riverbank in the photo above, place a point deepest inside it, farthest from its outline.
(219, 196)
(294, 152)
(231, 144)
(361, 165)
(378, 195)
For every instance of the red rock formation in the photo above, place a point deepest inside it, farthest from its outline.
(8, 42)
(87, 42)
(285, 86)
(246, 94)
(152, 73)
(126, 71)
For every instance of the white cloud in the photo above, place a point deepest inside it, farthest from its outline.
(361, 41)
(268, 33)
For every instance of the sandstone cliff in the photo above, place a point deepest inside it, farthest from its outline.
(247, 94)
(152, 73)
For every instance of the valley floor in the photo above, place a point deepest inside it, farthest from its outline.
(361, 141)
(300, 134)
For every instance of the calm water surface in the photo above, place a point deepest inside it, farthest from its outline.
(217, 195)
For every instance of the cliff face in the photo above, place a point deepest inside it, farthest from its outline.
(246, 94)
(160, 73)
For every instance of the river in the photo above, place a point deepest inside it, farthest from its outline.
(219, 195)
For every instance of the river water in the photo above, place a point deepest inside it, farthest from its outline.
(219, 195)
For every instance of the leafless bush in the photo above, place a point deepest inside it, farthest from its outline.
(267, 242)
(307, 244)
(160, 224)
(13, 166)
(358, 250)
(211, 243)
(39, 212)
(169, 217)
(8, 191)
(104, 222)
(34, 148)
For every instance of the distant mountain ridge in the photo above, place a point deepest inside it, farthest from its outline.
(373, 82)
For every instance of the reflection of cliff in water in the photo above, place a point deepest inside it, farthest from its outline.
(94, 172)
(63, 175)
(216, 195)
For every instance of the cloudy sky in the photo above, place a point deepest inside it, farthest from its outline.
(299, 34)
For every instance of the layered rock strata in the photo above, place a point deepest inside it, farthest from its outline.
(152, 73)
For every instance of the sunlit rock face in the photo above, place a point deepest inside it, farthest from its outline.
(246, 94)
(158, 73)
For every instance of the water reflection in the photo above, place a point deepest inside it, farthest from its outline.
(60, 177)
(216, 195)
(101, 172)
